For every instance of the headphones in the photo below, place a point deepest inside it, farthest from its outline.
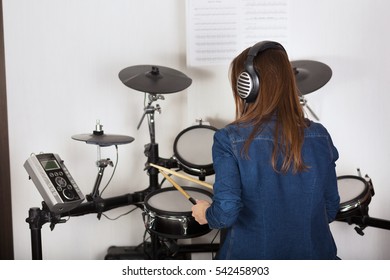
(248, 82)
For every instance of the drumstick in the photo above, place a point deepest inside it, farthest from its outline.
(180, 189)
(207, 185)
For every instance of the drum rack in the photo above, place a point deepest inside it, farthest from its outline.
(37, 217)
(96, 204)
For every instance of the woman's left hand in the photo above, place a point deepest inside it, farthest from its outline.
(199, 211)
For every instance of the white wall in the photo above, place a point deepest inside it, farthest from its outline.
(62, 63)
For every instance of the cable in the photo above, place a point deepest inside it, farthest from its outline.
(212, 241)
(121, 215)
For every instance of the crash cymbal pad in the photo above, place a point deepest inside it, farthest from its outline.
(311, 75)
(103, 140)
(154, 79)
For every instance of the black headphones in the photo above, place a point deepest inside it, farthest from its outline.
(248, 82)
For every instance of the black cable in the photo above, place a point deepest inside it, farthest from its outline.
(121, 215)
(212, 241)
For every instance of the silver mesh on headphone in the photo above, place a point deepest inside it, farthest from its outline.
(244, 85)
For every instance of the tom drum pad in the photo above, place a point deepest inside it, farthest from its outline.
(355, 196)
(192, 150)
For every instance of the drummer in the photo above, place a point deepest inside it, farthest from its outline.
(275, 189)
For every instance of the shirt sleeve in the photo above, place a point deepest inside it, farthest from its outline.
(226, 204)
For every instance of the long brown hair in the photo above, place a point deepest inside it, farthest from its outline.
(278, 97)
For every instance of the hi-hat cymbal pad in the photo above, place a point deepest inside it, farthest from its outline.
(103, 140)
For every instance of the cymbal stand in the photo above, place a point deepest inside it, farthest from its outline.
(152, 153)
(303, 102)
(101, 164)
(149, 110)
(151, 149)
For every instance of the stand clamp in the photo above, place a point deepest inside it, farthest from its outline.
(36, 219)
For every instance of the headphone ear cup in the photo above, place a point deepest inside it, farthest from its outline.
(248, 86)
(248, 82)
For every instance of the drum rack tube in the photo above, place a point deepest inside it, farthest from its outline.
(366, 221)
(371, 222)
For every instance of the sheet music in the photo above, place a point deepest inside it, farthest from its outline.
(217, 30)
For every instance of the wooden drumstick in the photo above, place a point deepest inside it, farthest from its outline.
(202, 183)
(180, 189)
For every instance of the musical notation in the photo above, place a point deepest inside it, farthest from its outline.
(217, 30)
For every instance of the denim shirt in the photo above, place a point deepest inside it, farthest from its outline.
(268, 214)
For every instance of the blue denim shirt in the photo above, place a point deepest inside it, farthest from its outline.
(270, 215)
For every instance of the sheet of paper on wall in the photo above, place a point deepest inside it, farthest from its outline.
(217, 30)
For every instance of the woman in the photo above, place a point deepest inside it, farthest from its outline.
(275, 189)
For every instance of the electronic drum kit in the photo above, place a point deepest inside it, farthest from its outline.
(167, 211)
